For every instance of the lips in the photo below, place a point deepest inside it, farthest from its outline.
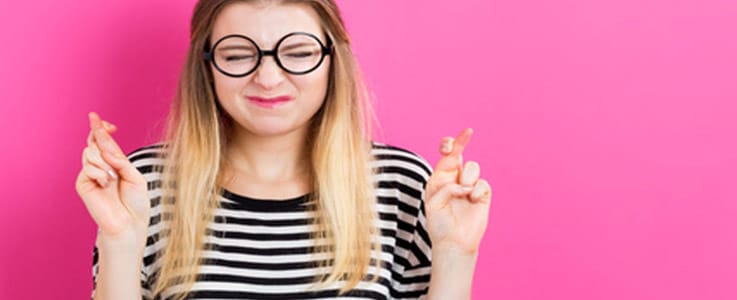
(269, 102)
(275, 99)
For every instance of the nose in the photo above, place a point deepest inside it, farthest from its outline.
(268, 75)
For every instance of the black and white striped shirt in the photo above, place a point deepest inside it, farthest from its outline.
(262, 247)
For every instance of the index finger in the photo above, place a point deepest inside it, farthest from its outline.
(107, 143)
(95, 121)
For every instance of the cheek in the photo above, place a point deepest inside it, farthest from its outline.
(316, 84)
(225, 86)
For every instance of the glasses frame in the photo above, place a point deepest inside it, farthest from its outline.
(209, 54)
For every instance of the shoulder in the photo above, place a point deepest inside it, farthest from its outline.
(392, 157)
(147, 154)
(400, 172)
(148, 158)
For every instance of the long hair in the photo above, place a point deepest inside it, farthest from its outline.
(339, 145)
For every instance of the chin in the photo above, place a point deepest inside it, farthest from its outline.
(276, 130)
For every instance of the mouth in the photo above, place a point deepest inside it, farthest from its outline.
(269, 102)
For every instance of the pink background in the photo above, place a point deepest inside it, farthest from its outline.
(607, 129)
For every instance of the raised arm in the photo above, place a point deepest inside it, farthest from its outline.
(457, 208)
(116, 197)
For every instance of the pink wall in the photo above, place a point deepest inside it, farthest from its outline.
(604, 127)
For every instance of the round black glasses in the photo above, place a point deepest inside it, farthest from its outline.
(297, 53)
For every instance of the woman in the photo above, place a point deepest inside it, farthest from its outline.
(268, 185)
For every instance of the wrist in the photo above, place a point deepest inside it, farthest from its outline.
(452, 273)
(122, 243)
(453, 260)
(451, 251)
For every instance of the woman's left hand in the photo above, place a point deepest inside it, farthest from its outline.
(456, 201)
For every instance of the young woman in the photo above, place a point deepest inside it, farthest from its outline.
(268, 185)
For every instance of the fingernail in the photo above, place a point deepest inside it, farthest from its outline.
(466, 189)
(112, 174)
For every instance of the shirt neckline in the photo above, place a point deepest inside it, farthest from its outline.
(265, 202)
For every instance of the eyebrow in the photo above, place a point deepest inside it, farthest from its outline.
(236, 47)
(288, 47)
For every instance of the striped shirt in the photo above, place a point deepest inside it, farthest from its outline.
(262, 248)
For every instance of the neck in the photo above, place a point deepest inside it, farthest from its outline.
(269, 158)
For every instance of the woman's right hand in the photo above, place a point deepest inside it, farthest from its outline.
(112, 189)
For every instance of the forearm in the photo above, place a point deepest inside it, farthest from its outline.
(451, 275)
(119, 272)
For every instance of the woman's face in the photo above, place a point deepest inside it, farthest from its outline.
(266, 25)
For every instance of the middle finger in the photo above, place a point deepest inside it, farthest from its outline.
(93, 157)
(452, 159)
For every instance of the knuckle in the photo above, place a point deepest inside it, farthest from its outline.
(95, 159)
(86, 156)
(89, 171)
(97, 154)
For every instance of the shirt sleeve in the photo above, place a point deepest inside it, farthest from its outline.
(414, 279)
(421, 246)
(420, 261)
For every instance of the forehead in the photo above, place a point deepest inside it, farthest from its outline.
(265, 23)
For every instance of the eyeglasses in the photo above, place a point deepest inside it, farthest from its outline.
(297, 53)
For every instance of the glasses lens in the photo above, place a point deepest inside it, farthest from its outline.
(236, 55)
(300, 53)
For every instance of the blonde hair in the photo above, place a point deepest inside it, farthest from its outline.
(339, 144)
